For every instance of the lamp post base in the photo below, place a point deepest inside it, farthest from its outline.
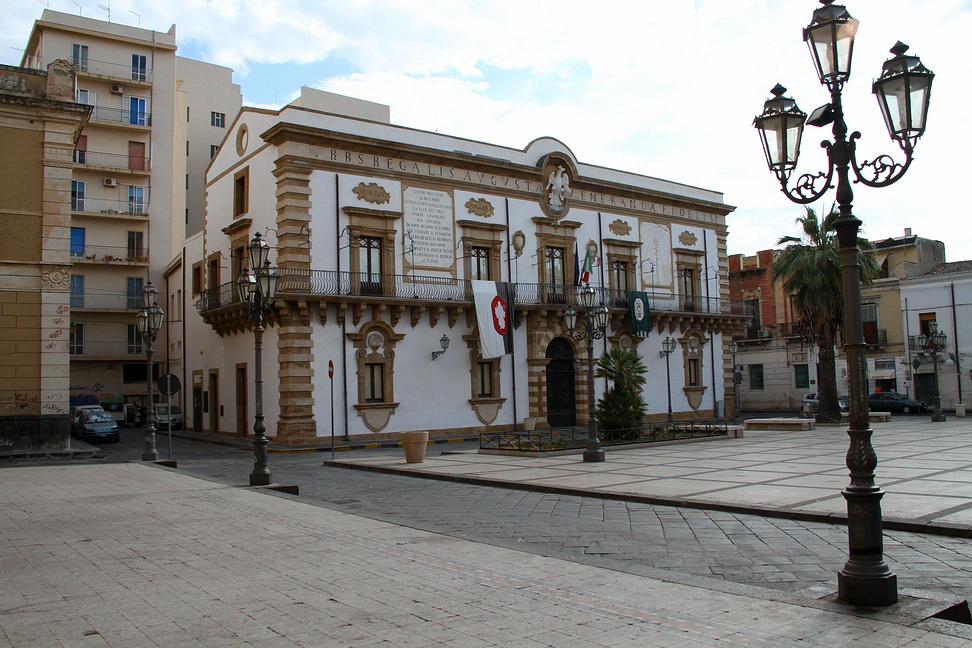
(260, 479)
(859, 589)
(594, 452)
(938, 417)
(150, 453)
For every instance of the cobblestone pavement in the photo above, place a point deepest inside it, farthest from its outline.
(788, 555)
(131, 555)
(783, 554)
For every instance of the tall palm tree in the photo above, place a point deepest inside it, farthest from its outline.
(809, 268)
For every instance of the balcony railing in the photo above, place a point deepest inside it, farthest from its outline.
(109, 254)
(875, 336)
(113, 301)
(446, 289)
(121, 116)
(791, 329)
(112, 160)
(82, 349)
(109, 206)
(124, 71)
(915, 345)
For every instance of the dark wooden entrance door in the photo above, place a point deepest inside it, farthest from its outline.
(561, 407)
(925, 388)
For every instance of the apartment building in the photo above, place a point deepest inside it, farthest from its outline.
(941, 294)
(39, 126)
(136, 185)
(778, 367)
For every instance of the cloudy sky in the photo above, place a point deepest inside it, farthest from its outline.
(666, 89)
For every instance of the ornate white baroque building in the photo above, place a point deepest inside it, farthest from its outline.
(378, 230)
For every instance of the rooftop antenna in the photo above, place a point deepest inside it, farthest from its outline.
(139, 18)
(79, 7)
(107, 8)
(47, 3)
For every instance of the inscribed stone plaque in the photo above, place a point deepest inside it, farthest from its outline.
(430, 237)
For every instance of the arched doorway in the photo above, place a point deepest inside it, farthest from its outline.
(561, 407)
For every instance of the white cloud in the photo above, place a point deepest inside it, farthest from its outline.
(664, 89)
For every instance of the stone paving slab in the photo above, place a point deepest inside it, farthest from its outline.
(925, 469)
(137, 555)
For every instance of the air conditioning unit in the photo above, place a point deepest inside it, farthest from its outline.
(117, 89)
(111, 182)
(763, 333)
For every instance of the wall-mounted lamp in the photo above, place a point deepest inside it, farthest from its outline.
(444, 343)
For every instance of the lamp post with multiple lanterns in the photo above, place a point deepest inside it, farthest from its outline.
(733, 347)
(934, 343)
(668, 346)
(595, 321)
(257, 288)
(148, 321)
(902, 91)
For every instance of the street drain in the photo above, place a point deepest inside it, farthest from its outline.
(959, 613)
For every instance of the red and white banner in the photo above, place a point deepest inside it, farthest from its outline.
(494, 313)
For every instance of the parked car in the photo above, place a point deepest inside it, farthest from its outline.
(81, 408)
(894, 402)
(125, 414)
(814, 401)
(163, 414)
(94, 424)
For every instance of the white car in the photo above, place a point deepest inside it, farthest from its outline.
(813, 399)
(163, 415)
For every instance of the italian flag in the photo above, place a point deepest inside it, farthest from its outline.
(587, 268)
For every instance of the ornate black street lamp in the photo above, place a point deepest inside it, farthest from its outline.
(934, 343)
(903, 91)
(733, 347)
(668, 345)
(148, 321)
(257, 290)
(595, 321)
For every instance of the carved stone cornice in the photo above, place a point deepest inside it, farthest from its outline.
(236, 226)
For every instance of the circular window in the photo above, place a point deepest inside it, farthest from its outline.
(242, 139)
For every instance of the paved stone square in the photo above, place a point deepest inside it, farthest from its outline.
(137, 555)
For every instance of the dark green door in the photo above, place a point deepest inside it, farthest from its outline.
(561, 407)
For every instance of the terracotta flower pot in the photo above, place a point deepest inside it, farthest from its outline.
(415, 444)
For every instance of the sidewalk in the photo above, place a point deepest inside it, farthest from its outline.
(924, 468)
(135, 555)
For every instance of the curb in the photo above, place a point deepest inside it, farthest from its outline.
(929, 528)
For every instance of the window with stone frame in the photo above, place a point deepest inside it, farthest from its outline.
(756, 377)
(870, 323)
(212, 274)
(196, 278)
(371, 248)
(482, 248)
(241, 192)
(484, 379)
(553, 265)
(485, 392)
(479, 263)
(621, 263)
(693, 377)
(555, 261)
(374, 382)
(693, 356)
(801, 376)
(374, 355)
